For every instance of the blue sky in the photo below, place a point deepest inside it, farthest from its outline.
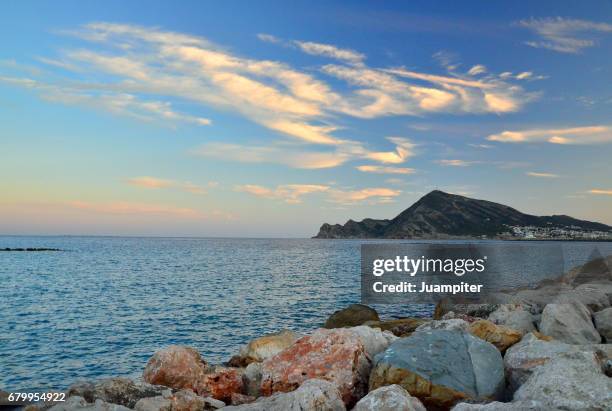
(263, 119)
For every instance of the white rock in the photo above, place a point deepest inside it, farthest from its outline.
(389, 398)
(373, 339)
(570, 323)
(504, 406)
(77, 403)
(517, 319)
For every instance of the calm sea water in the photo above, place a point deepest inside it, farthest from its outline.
(102, 307)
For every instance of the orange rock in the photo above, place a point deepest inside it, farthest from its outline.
(177, 367)
(498, 335)
(336, 355)
(221, 384)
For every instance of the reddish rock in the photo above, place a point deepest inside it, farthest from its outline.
(221, 384)
(336, 355)
(177, 367)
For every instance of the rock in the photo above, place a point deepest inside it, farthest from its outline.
(452, 324)
(122, 391)
(177, 367)
(337, 355)
(473, 310)
(603, 324)
(315, 394)
(451, 315)
(588, 294)
(498, 335)
(401, 327)
(373, 339)
(239, 399)
(441, 368)
(221, 384)
(570, 323)
(389, 398)
(353, 315)
(184, 400)
(252, 379)
(538, 298)
(570, 381)
(77, 403)
(505, 406)
(264, 347)
(517, 319)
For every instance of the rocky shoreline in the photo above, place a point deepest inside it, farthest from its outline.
(548, 348)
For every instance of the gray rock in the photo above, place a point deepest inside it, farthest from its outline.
(184, 400)
(315, 394)
(538, 298)
(505, 406)
(588, 294)
(122, 391)
(517, 319)
(570, 381)
(77, 403)
(570, 323)
(441, 367)
(373, 339)
(389, 398)
(451, 324)
(351, 316)
(252, 379)
(603, 324)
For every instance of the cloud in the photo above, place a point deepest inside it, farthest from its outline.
(157, 183)
(328, 50)
(385, 170)
(573, 135)
(485, 146)
(542, 175)
(269, 38)
(564, 35)
(403, 150)
(290, 193)
(456, 163)
(600, 192)
(477, 69)
(376, 195)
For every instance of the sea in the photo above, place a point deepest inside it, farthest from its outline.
(104, 305)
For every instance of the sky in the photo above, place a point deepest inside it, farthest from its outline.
(267, 119)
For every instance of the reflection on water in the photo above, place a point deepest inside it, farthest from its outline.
(103, 307)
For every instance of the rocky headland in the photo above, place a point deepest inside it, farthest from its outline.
(440, 215)
(547, 348)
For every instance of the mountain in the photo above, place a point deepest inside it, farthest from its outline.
(442, 215)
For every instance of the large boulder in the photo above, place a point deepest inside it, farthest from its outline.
(570, 323)
(401, 327)
(569, 381)
(184, 400)
(590, 295)
(353, 315)
(122, 391)
(603, 324)
(373, 339)
(514, 318)
(337, 355)
(262, 348)
(177, 367)
(314, 394)
(77, 403)
(389, 398)
(441, 368)
(498, 335)
(252, 379)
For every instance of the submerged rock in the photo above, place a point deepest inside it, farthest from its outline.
(353, 315)
(177, 367)
(603, 324)
(389, 398)
(441, 368)
(498, 335)
(337, 355)
(570, 323)
(314, 394)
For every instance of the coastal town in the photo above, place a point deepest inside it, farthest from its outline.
(555, 233)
